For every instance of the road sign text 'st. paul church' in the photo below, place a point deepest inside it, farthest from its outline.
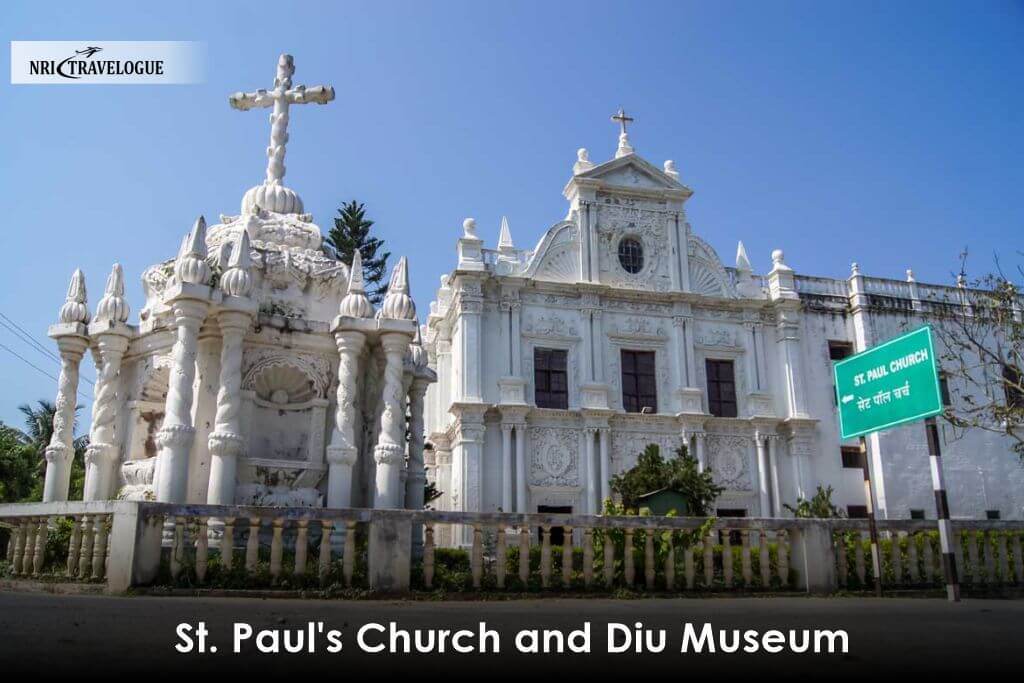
(888, 385)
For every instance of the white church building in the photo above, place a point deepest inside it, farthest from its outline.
(557, 365)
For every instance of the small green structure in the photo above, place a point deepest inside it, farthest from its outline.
(664, 501)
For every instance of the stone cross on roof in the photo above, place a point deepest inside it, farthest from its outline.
(622, 119)
(624, 146)
(280, 98)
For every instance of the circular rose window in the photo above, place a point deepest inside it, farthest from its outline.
(631, 255)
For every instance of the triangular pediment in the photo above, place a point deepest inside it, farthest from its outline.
(632, 171)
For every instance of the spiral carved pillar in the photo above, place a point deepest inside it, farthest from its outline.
(341, 453)
(417, 473)
(101, 457)
(175, 437)
(390, 451)
(226, 441)
(61, 450)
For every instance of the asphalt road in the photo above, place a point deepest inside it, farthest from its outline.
(110, 635)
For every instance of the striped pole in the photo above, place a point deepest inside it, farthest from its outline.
(876, 556)
(942, 508)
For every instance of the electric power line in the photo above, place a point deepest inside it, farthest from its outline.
(25, 336)
(34, 366)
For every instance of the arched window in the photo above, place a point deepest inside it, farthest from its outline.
(631, 255)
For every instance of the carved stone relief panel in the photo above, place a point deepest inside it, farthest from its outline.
(554, 456)
(729, 459)
(619, 218)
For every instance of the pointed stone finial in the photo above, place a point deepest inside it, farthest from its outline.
(398, 305)
(356, 304)
(237, 280)
(854, 269)
(670, 169)
(505, 236)
(191, 266)
(113, 306)
(910, 275)
(469, 228)
(624, 146)
(74, 309)
(583, 162)
(417, 354)
(742, 260)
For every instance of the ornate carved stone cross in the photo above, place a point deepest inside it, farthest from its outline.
(622, 119)
(281, 98)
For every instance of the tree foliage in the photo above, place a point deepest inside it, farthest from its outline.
(820, 506)
(680, 474)
(23, 456)
(351, 231)
(980, 335)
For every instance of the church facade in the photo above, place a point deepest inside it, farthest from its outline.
(557, 365)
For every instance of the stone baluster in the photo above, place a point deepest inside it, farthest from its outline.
(912, 559)
(1018, 559)
(727, 567)
(783, 554)
(748, 575)
(670, 563)
(588, 557)
(74, 548)
(990, 559)
(111, 334)
(71, 335)
(688, 567)
(524, 555)
(501, 557)
(301, 546)
(31, 544)
(12, 540)
(608, 560)
(252, 545)
(545, 556)
(19, 547)
(40, 548)
(227, 544)
(234, 317)
(189, 299)
(324, 560)
(85, 557)
(100, 530)
(842, 568)
(649, 569)
(1004, 560)
(928, 558)
(628, 565)
(476, 557)
(276, 549)
(428, 556)
(567, 547)
(178, 547)
(972, 556)
(709, 560)
(896, 558)
(764, 560)
(858, 560)
(202, 548)
(348, 560)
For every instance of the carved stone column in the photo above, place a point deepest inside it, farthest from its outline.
(764, 496)
(416, 477)
(506, 466)
(72, 341)
(226, 442)
(189, 300)
(604, 437)
(700, 441)
(342, 452)
(594, 492)
(111, 335)
(521, 437)
(389, 453)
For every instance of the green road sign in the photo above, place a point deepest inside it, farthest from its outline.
(888, 385)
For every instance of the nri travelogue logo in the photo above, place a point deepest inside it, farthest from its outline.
(106, 62)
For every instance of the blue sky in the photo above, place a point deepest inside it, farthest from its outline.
(883, 132)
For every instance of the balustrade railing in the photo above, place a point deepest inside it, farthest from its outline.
(124, 544)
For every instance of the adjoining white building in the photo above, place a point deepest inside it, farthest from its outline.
(557, 365)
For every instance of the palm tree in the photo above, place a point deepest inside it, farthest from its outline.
(36, 436)
(38, 424)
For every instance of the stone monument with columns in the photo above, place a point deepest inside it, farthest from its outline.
(258, 371)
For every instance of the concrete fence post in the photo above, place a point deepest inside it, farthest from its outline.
(134, 547)
(813, 556)
(389, 552)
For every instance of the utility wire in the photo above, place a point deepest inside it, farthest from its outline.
(34, 366)
(25, 336)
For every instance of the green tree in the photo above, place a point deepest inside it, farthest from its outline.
(820, 506)
(31, 443)
(18, 466)
(351, 231)
(680, 474)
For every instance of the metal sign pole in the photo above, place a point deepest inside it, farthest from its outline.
(942, 510)
(876, 558)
